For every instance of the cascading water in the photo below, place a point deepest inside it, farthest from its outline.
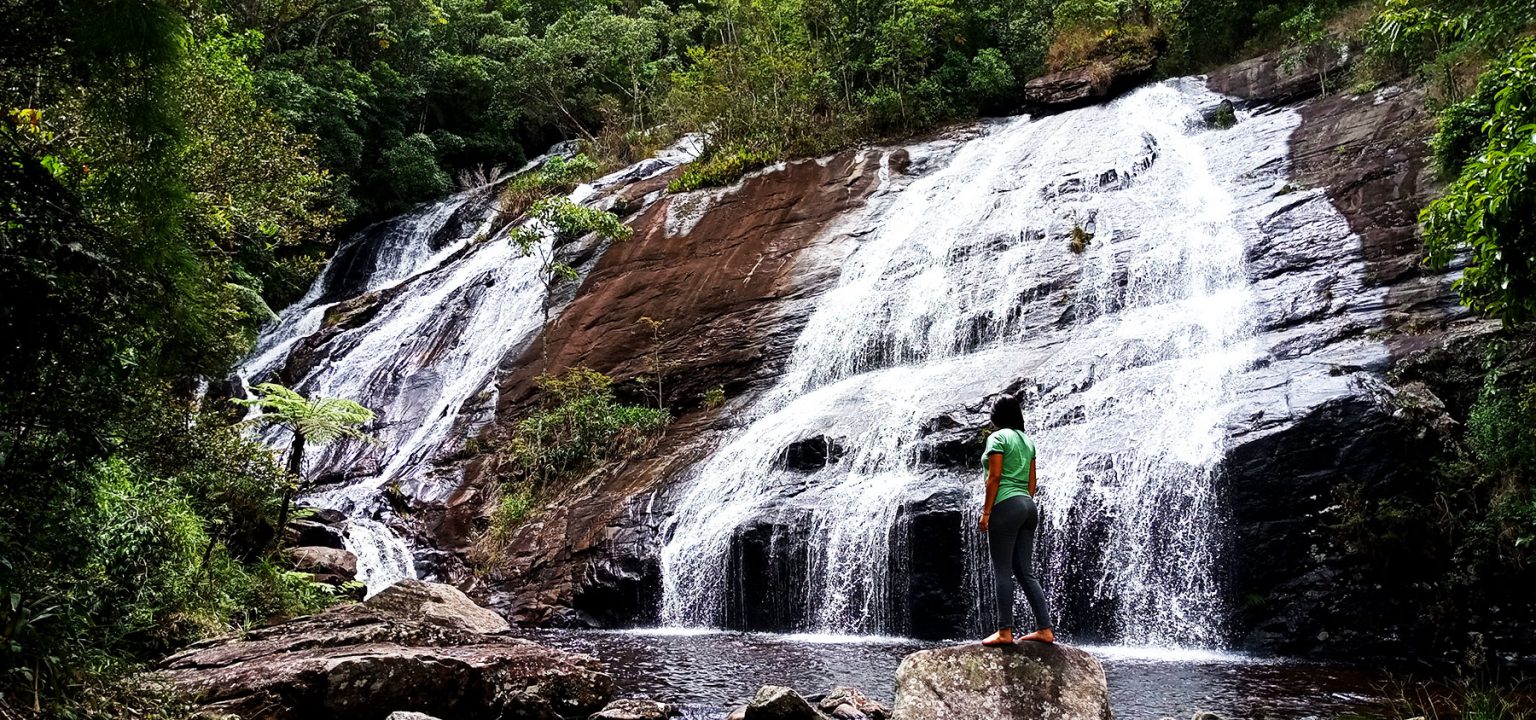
(1094, 262)
(448, 298)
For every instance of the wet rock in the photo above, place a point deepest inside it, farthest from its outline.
(442, 605)
(635, 709)
(928, 550)
(739, 713)
(1270, 80)
(324, 561)
(749, 257)
(365, 661)
(770, 558)
(846, 703)
(1223, 116)
(1041, 681)
(774, 702)
(326, 516)
(812, 454)
(308, 533)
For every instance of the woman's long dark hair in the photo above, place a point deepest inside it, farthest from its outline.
(1007, 413)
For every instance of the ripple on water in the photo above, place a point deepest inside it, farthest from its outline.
(707, 672)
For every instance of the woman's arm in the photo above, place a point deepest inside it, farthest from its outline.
(994, 481)
(1032, 477)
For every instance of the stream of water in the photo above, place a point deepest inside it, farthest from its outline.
(451, 297)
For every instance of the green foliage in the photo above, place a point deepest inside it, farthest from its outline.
(557, 176)
(412, 169)
(165, 549)
(319, 421)
(579, 425)
(568, 220)
(257, 190)
(1224, 117)
(515, 505)
(1486, 212)
(721, 167)
(1501, 427)
(565, 220)
(1309, 44)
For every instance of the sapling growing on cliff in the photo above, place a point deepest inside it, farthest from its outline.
(562, 220)
(659, 364)
(312, 422)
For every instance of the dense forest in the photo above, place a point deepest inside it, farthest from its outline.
(176, 170)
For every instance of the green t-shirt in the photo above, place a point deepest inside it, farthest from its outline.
(1018, 451)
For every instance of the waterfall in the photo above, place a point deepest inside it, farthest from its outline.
(444, 298)
(969, 284)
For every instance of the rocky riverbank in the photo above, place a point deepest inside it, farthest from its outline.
(415, 647)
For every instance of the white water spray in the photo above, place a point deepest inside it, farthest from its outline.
(969, 284)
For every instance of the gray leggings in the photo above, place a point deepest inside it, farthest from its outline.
(1011, 537)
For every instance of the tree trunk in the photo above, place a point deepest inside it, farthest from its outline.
(296, 469)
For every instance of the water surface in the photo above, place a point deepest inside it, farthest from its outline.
(708, 673)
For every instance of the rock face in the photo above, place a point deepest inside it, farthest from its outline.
(1029, 681)
(415, 651)
(733, 272)
(1080, 86)
(846, 703)
(310, 533)
(1304, 591)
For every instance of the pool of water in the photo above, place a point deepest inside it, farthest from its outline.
(707, 673)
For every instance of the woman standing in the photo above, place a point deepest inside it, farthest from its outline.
(1009, 518)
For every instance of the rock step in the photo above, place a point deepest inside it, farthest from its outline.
(1023, 682)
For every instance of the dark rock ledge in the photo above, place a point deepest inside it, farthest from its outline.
(415, 647)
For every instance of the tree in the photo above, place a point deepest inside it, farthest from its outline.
(1487, 212)
(318, 422)
(564, 221)
(1311, 45)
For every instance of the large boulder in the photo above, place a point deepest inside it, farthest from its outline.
(406, 653)
(1116, 63)
(1033, 681)
(438, 604)
(325, 561)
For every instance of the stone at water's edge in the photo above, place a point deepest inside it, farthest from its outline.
(411, 648)
(773, 702)
(1030, 681)
(635, 709)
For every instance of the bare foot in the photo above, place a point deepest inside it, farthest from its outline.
(999, 638)
(1045, 636)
